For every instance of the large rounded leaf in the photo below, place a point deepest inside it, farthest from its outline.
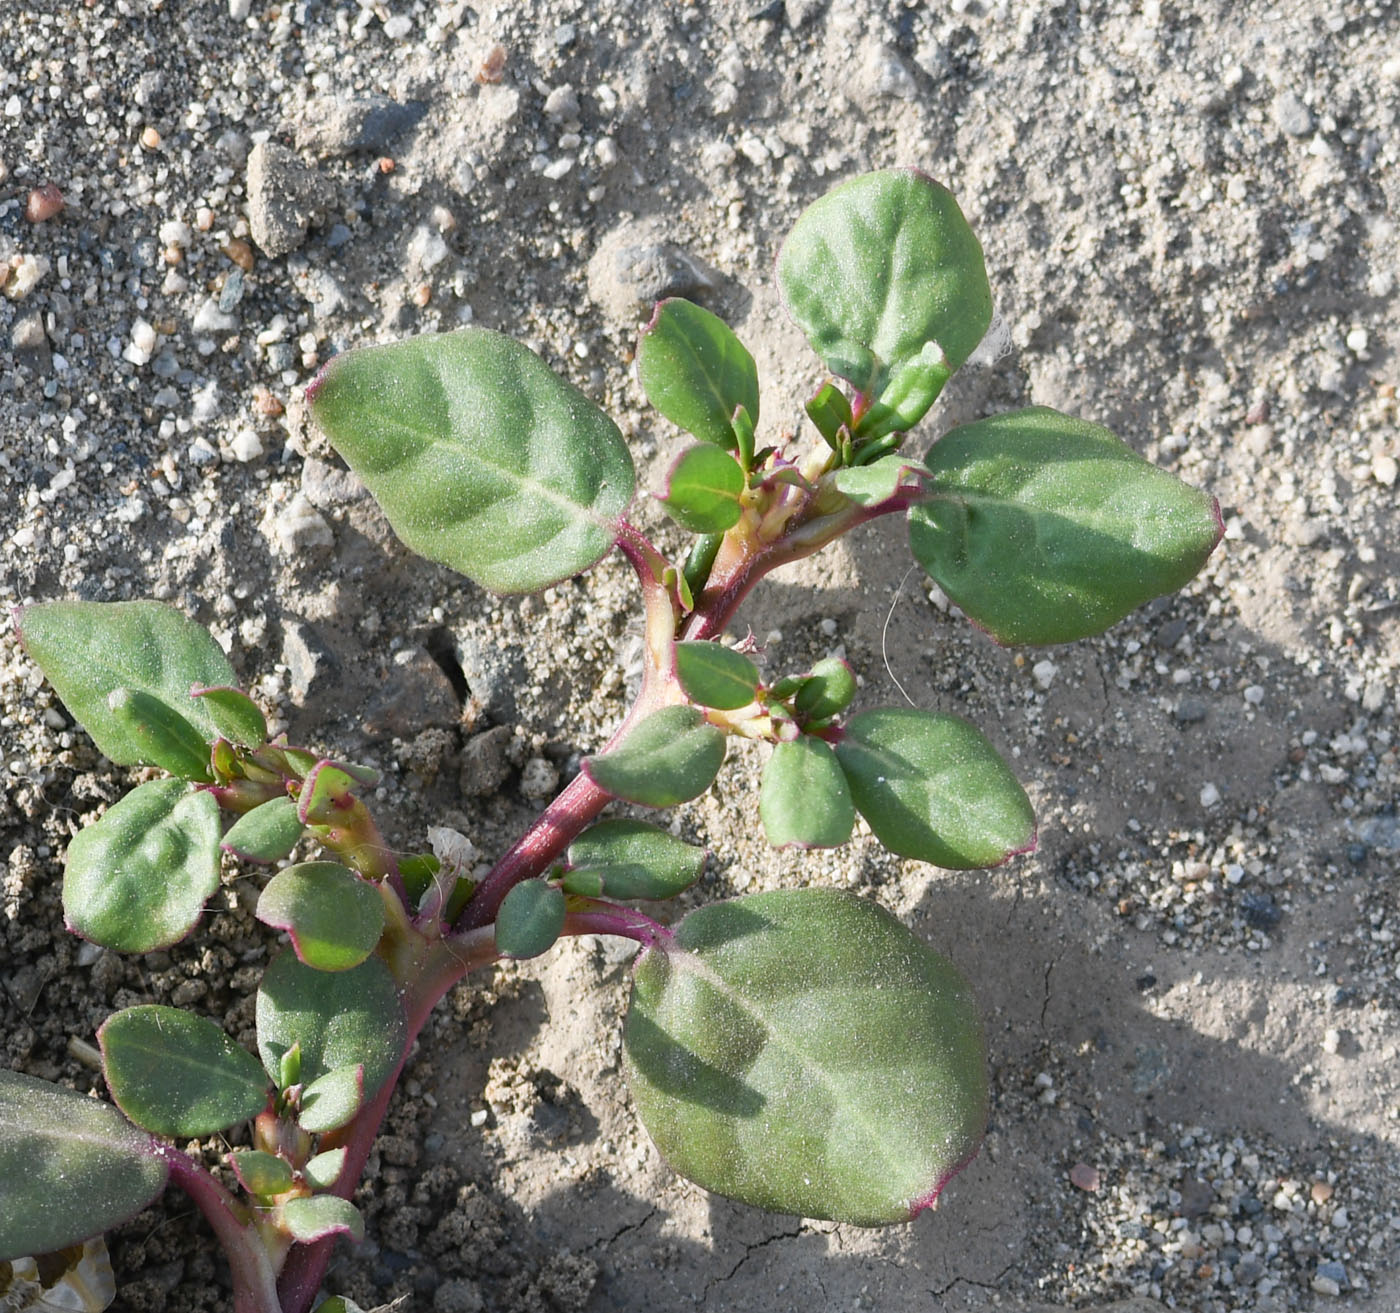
(875, 271)
(340, 1019)
(933, 787)
(530, 919)
(70, 1167)
(804, 1052)
(480, 455)
(88, 650)
(1045, 528)
(139, 878)
(176, 1073)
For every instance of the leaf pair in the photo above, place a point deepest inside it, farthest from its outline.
(623, 859)
(932, 787)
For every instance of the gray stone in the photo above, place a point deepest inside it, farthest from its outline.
(341, 125)
(308, 660)
(327, 486)
(634, 267)
(415, 696)
(485, 762)
(1196, 1197)
(301, 529)
(285, 198)
(1190, 710)
(493, 673)
(1291, 115)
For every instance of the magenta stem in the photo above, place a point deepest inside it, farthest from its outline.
(254, 1281)
(591, 916)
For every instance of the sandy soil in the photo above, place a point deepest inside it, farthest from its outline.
(1191, 988)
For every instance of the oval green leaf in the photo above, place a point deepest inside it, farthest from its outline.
(934, 788)
(340, 1019)
(328, 790)
(631, 859)
(324, 1170)
(804, 799)
(89, 649)
(673, 755)
(1044, 528)
(530, 919)
(715, 676)
(333, 917)
(703, 490)
(179, 1074)
(332, 1101)
(853, 1091)
(313, 1217)
(138, 879)
(238, 718)
(265, 834)
(877, 269)
(72, 1167)
(167, 739)
(480, 455)
(827, 691)
(696, 372)
(259, 1172)
(869, 485)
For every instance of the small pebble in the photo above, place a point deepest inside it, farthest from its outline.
(1044, 672)
(150, 138)
(1084, 1177)
(43, 203)
(1210, 795)
(1385, 470)
(246, 446)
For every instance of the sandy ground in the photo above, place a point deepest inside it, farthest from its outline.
(1190, 989)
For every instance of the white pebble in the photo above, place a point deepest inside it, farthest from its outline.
(1210, 795)
(210, 319)
(1385, 470)
(246, 446)
(238, 10)
(175, 232)
(1044, 672)
(1358, 340)
(1332, 1040)
(143, 337)
(1254, 695)
(26, 276)
(398, 27)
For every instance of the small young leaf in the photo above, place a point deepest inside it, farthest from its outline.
(481, 456)
(259, 1172)
(530, 919)
(877, 269)
(804, 800)
(328, 789)
(695, 371)
(703, 490)
(827, 691)
(1045, 528)
(869, 485)
(312, 1217)
(178, 1074)
(631, 859)
(339, 1304)
(238, 718)
(716, 676)
(265, 834)
(830, 410)
(323, 1171)
(340, 1018)
(139, 878)
(671, 756)
(933, 788)
(333, 917)
(166, 738)
(289, 1068)
(803, 1051)
(88, 649)
(332, 1101)
(908, 395)
(71, 1167)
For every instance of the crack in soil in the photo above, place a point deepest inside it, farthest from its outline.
(749, 1251)
(608, 1241)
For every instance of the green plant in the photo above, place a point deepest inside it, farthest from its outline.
(799, 1050)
